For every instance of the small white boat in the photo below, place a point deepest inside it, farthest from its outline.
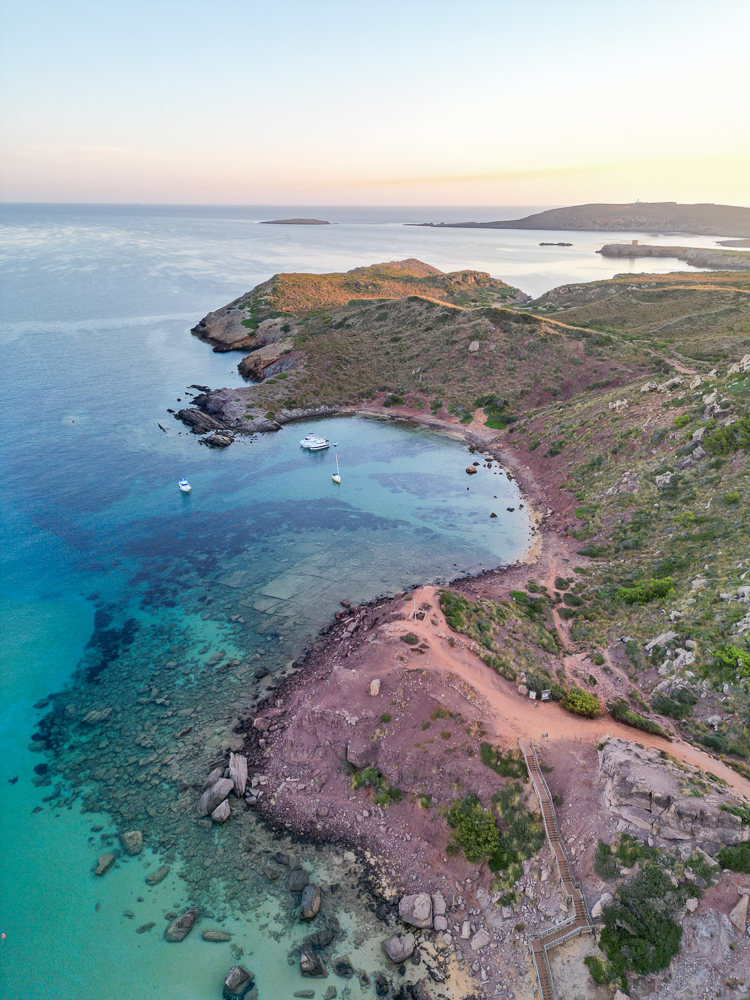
(314, 442)
(337, 475)
(184, 486)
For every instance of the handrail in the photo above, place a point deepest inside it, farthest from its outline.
(558, 932)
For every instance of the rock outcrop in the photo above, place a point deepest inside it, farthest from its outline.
(651, 794)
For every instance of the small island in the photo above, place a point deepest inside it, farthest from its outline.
(295, 222)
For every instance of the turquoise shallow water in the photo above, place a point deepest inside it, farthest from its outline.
(109, 575)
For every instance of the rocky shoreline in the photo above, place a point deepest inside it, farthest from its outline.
(724, 260)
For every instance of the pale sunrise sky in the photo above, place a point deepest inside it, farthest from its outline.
(392, 102)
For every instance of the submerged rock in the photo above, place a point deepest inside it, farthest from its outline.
(179, 929)
(211, 934)
(343, 967)
(104, 863)
(298, 880)
(237, 982)
(154, 878)
(310, 963)
(132, 842)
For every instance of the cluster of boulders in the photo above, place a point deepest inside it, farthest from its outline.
(224, 781)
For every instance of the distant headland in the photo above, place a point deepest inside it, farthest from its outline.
(649, 217)
(295, 222)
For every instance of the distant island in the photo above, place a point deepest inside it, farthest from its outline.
(295, 222)
(649, 217)
(722, 259)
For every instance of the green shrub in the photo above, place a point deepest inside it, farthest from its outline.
(410, 639)
(715, 742)
(385, 717)
(736, 858)
(622, 713)
(393, 399)
(640, 934)
(561, 583)
(646, 590)
(731, 499)
(508, 765)
(682, 421)
(605, 864)
(572, 600)
(474, 829)
(604, 973)
(593, 551)
(725, 440)
(728, 659)
(580, 702)
(678, 705)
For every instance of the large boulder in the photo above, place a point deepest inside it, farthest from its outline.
(399, 947)
(310, 902)
(179, 929)
(132, 842)
(237, 982)
(221, 813)
(213, 796)
(310, 962)
(416, 909)
(238, 773)
(738, 916)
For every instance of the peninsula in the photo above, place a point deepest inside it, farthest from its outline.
(648, 217)
(410, 733)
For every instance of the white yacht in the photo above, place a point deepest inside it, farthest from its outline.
(184, 486)
(314, 442)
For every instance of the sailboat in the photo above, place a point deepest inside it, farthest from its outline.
(336, 477)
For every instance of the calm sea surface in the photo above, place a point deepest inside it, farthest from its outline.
(118, 592)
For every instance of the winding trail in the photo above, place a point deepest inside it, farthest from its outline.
(514, 717)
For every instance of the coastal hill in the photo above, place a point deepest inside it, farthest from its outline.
(649, 217)
(234, 326)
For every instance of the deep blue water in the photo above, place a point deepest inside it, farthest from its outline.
(97, 304)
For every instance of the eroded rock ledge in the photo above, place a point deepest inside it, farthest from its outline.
(654, 793)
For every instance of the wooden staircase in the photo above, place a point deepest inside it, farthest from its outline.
(580, 920)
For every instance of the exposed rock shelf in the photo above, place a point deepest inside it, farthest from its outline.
(722, 259)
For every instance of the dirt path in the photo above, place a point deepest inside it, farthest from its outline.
(513, 715)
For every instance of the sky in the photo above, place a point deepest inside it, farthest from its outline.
(374, 102)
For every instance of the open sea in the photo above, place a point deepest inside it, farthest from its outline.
(157, 611)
